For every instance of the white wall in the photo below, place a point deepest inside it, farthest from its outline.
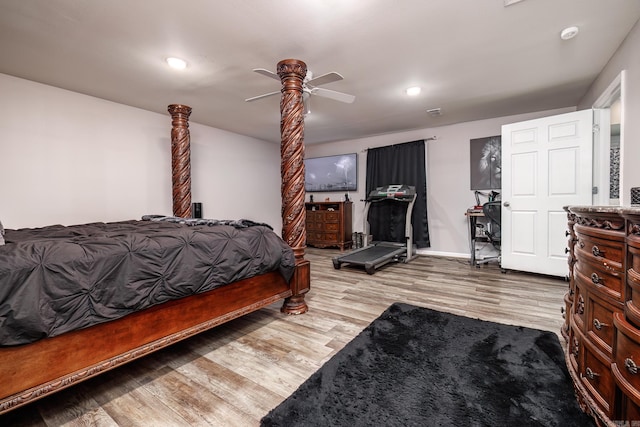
(67, 158)
(625, 58)
(448, 176)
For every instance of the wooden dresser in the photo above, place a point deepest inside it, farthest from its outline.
(329, 224)
(602, 319)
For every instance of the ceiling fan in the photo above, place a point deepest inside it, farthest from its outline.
(309, 87)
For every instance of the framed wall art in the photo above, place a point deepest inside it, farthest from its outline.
(486, 163)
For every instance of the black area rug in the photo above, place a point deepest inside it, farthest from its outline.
(418, 367)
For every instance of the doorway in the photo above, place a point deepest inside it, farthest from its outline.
(608, 146)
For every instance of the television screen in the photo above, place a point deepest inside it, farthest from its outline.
(331, 173)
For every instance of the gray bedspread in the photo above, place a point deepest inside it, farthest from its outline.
(56, 279)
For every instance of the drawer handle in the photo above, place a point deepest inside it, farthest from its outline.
(631, 366)
(566, 233)
(566, 250)
(596, 279)
(590, 374)
(581, 244)
(598, 325)
(596, 251)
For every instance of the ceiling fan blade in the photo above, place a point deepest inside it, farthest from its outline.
(261, 96)
(338, 96)
(267, 73)
(325, 78)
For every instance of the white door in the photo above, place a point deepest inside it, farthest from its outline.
(546, 165)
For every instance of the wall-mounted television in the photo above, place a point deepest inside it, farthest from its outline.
(331, 173)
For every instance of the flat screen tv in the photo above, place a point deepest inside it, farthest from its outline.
(331, 173)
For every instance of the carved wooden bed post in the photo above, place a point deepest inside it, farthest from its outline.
(292, 73)
(180, 160)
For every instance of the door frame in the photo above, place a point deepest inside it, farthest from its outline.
(602, 144)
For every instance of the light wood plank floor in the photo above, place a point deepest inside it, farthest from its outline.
(234, 374)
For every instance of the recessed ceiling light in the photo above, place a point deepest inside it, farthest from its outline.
(569, 33)
(177, 63)
(413, 91)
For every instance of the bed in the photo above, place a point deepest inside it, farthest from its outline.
(49, 355)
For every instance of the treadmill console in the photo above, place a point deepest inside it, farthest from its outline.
(401, 192)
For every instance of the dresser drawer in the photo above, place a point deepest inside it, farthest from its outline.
(632, 306)
(608, 282)
(574, 348)
(634, 252)
(318, 226)
(633, 280)
(329, 226)
(314, 226)
(315, 236)
(314, 215)
(332, 217)
(597, 378)
(604, 246)
(329, 238)
(566, 315)
(599, 321)
(627, 352)
(579, 305)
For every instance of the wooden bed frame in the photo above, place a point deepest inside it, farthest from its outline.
(31, 371)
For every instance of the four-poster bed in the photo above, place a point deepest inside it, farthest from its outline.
(34, 370)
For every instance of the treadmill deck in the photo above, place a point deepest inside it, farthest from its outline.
(372, 257)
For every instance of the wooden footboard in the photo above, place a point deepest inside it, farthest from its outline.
(29, 372)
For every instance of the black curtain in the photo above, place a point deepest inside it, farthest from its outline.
(398, 164)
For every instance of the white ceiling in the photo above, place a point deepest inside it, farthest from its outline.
(474, 59)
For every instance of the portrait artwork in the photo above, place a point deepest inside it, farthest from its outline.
(486, 163)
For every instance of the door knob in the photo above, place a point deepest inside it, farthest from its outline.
(507, 204)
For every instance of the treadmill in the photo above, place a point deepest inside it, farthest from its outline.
(376, 254)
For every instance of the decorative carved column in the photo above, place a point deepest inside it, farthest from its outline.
(292, 73)
(180, 160)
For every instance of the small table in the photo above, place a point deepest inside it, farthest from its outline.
(472, 216)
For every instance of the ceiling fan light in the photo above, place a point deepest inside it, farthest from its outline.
(177, 63)
(413, 91)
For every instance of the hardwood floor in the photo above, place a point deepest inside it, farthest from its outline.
(234, 374)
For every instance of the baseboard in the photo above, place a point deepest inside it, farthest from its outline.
(427, 252)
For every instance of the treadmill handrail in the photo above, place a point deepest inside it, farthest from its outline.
(406, 199)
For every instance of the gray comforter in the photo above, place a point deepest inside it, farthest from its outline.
(57, 279)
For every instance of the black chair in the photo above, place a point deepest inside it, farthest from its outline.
(492, 212)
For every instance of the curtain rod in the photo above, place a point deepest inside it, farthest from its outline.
(431, 138)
